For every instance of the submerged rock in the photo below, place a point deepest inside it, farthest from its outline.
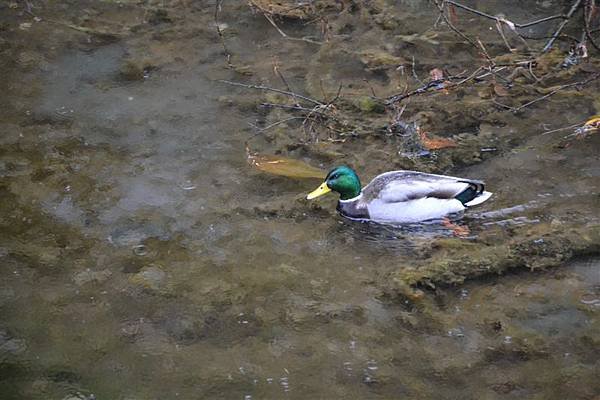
(152, 278)
(457, 260)
(87, 276)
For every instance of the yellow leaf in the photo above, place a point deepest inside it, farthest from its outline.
(594, 122)
(284, 166)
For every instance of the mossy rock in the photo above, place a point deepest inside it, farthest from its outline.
(541, 247)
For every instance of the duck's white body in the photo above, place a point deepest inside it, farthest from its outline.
(412, 210)
(408, 197)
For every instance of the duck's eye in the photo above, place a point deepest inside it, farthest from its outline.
(334, 176)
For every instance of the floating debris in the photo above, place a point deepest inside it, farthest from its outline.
(289, 167)
(592, 125)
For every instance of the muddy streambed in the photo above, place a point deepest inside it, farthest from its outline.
(142, 257)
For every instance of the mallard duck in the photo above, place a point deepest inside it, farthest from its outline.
(401, 196)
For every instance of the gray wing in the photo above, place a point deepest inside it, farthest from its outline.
(399, 186)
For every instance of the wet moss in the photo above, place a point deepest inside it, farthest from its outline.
(456, 260)
(369, 105)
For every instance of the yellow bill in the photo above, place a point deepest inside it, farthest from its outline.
(321, 190)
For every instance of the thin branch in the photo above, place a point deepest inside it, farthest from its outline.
(318, 110)
(218, 5)
(432, 84)
(574, 8)
(539, 21)
(498, 19)
(552, 93)
(414, 72)
(285, 82)
(587, 16)
(455, 29)
(561, 36)
(563, 128)
(501, 31)
(270, 89)
(337, 95)
(285, 35)
(286, 107)
(275, 124)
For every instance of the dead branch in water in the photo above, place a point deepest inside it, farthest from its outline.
(285, 35)
(440, 7)
(501, 22)
(574, 8)
(218, 5)
(502, 19)
(438, 84)
(270, 89)
(588, 12)
(318, 113)
(291, 11)
(547, 95)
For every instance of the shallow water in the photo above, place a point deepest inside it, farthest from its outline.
(142, 257)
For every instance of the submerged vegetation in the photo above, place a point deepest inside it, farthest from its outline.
(380, 94)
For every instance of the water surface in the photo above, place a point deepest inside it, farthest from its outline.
(143, 258)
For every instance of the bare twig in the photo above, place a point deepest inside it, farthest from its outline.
(373, 94)
(270, 89)
(500, 19)
(440, 7)
(337, 95)
(218, 5)
(433, 85)
(574, 8)
(531, 72)
(414, 72)
(321, 111)
(561, 36)
(491, 63)
(564, 128)
(587, 16)
(399, 97)
(501, 31)
(549, 94)
(285, 35)
(280, 75)
(274, 124)
(286, 107)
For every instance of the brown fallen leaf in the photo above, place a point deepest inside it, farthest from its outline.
(500, 90)
(436, 74)
(436, 143)
(289, 167)
(457, 230)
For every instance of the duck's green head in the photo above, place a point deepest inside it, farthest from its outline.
(340, 179)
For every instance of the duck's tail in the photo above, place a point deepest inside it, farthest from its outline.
(480, 198)
(473, 195)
